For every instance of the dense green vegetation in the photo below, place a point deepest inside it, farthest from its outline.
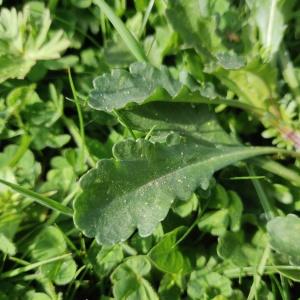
(149, 149)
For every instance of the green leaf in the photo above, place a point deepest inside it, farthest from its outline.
(137, 188)
(203, 285)
(254, 84)
(20, 48)
(284, 233)
(228, 214)
(116, 90)
(105, 259)
(36, 296)
(128, 281)
(145, 83)
(230, 247)
(50, 243)
(166, 254)
(196, 121)
(195, 24)
(6, 245)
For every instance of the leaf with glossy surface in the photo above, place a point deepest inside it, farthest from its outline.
(137, 188)
(145, 83)
(116, 90)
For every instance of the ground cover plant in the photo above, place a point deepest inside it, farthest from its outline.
(149, 149)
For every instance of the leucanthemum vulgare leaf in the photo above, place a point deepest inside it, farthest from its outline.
(136, 188)
(144, 83)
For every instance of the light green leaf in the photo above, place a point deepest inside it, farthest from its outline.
(284, 233)
(137, 188)
(204, 285)
(6, 245)
(50, 243)
(36, 296)
(128, 281)
(166, 254)
(253, 84)
(269, 19)
(108, 258)
(21, 49)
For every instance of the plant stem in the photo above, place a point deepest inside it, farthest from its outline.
(258, 274)
(77, 138)
(268, 209)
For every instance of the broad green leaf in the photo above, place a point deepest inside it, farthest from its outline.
(144, 83)
(284, 234)
(141, 84)
(50, 243)
(196, 121)
(166, 254)
(128, 281)
(137, 187)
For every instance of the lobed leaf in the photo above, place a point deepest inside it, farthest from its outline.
(137, 187)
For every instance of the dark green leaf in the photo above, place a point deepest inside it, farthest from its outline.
(137, 188)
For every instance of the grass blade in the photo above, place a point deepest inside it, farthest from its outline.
(80, 117)
(130, 41)
(30, 267)
(45, 201)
